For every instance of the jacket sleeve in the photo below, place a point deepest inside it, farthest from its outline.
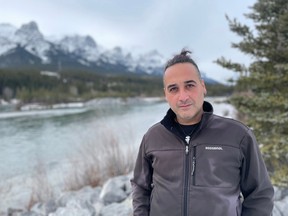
(255, 184)
(142, 183)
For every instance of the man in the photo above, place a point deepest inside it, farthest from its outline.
(194, 163)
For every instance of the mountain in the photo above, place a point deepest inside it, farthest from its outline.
(28, 47)
(18, 57)
(208, 79)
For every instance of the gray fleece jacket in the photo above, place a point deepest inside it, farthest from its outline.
(209, 176)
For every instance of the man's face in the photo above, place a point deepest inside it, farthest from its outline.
(184, 91)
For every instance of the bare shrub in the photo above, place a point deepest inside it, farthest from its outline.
(73, 180)
(84, 171)
(118, 161)
(95, 162)
(32, 201)
(41, 188)
(99, 160)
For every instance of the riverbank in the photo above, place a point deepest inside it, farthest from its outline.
(45, 152)
(16, 105)
(112, 198)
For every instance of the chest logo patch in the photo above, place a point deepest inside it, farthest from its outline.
(214, 148)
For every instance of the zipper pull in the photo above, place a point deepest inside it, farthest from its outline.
(193, 164)
(187, 139)
(187, 149)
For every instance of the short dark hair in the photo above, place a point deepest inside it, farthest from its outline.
(183, 57)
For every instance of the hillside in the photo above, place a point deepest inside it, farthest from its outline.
(76, 85)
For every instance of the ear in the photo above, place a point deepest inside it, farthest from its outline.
(164, 91)
(204, 87)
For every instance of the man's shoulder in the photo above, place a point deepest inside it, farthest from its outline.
(155, 131)
(229, 122)
(155, 127)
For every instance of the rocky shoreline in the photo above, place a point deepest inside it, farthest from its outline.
(113, 198)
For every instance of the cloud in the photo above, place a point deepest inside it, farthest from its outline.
(165, 25)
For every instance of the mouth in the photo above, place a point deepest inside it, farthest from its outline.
(183, 106)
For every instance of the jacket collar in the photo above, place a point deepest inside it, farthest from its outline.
(169, 120)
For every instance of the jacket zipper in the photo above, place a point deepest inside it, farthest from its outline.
(186, 178)
(193, 164)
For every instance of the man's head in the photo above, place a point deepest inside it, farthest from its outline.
(184, 89)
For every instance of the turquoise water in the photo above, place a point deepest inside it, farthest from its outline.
(51, 136)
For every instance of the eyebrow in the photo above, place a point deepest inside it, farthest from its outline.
(190, 81)
(186, 82)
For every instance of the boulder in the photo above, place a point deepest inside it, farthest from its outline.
(115, 190)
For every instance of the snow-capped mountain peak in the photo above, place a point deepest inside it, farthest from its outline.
(114, 56)
(7, 33)
(77, 42)
(150, 62)
(153, 58)
(29, 36)
(7, 30)
(81, 50)
(80, 46)
(28, 33)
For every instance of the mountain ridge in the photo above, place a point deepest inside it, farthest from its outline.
(28, 47)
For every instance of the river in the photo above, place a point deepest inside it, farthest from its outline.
(51, 136)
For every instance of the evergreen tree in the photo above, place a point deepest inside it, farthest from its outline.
(261, 95)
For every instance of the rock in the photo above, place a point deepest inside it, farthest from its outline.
(276, 212)
(280, 193)
(114, 198)
(45, 208)
(75, 208)
(31, 213)
(98, 207)
(280, 207)
(19, 212)
(120, 209)
(14, 211)
(115, 190)
(88, 194)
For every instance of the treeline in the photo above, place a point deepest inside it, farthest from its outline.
(32, 85)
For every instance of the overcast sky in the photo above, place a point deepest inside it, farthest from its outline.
(144, 25)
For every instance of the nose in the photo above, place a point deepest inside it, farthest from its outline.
(183, 95)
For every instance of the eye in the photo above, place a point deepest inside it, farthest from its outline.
(173, 89)
(190, 85)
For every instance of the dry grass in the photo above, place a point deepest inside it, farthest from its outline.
(119, 161)
(99, 161)
(83, 172)
(41, 189)
(96, 162)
